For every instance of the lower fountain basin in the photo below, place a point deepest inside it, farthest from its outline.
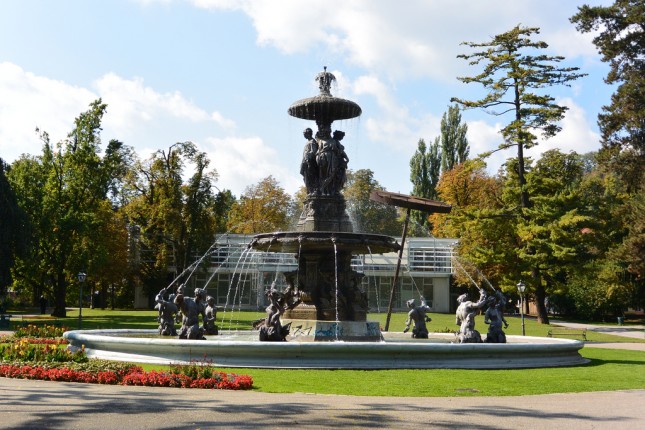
(397, 351)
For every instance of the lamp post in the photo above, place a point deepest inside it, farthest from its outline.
(521, 287)
(81, 281)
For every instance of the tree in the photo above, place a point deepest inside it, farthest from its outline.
(479, 220)
(366, 214)
(513, 76)
(510, 73)
(62, 192)
(224, 201)
(175, 219)
(263, 207)
(620, 38)
(425, 167)
(13, 229)
(454, 143)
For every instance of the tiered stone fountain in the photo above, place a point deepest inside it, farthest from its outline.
(333, 306)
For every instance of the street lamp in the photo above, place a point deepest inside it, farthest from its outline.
(521, 287)
(81, 281)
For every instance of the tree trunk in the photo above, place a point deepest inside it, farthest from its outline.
(60, 290)
(540, 295)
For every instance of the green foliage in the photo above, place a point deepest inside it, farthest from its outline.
(62, 192)
(368, 215)
(620, 38)
(172, 219)
(599, 292)
(13, 229)
(510, 73)
(454, 143)
(514, 76)
(262, 207)
(425, 166)
(224, 201)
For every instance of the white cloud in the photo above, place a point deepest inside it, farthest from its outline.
(394, 124)
(131, 102)
(414, 38)
(137, 115)
(28, 101)
(485, 137)
(576, 135)
(241, 162)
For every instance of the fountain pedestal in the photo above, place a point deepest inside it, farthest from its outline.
(316, 330)
(324, 213)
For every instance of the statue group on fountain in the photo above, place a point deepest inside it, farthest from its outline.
(270, 327)
(494, 317)
(324, 163)
(170, 306)
(418, 315)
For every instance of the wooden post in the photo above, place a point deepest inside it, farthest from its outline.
(398, 267)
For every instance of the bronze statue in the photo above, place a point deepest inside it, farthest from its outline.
(210, 315)
(271, 329)
(308, 166)
(494, 317)
(417, 315)
(465, 318)
(191, 308)
(167, 310)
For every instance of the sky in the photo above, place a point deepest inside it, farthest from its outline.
(222, 74)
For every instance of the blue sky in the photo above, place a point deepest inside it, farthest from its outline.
(222, 73)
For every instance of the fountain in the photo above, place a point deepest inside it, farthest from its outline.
(322, 313)
(331, 304)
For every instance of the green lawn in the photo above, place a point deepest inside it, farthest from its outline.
(608, 370)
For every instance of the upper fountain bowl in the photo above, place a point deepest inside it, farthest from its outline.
(324, 108)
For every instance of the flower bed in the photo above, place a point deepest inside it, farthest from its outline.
(40, 331)
(135, 376)
(36, 353)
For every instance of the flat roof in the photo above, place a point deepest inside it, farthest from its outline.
(410, 202)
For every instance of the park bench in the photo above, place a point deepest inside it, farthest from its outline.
(567, 332)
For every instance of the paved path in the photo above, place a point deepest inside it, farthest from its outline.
(54, 405)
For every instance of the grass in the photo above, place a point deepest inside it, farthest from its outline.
(608, 370)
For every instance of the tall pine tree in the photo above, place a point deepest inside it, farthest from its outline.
(514, 76)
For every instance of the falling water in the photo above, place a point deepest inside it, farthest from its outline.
(337, 326)
(242, 257)
(376, 287)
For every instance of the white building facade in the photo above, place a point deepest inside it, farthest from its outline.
(238, 277)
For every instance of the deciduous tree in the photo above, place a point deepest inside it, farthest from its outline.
(62, 192)
(263, 207)
(368, 215)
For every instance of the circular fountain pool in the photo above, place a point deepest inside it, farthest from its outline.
(397, 351)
